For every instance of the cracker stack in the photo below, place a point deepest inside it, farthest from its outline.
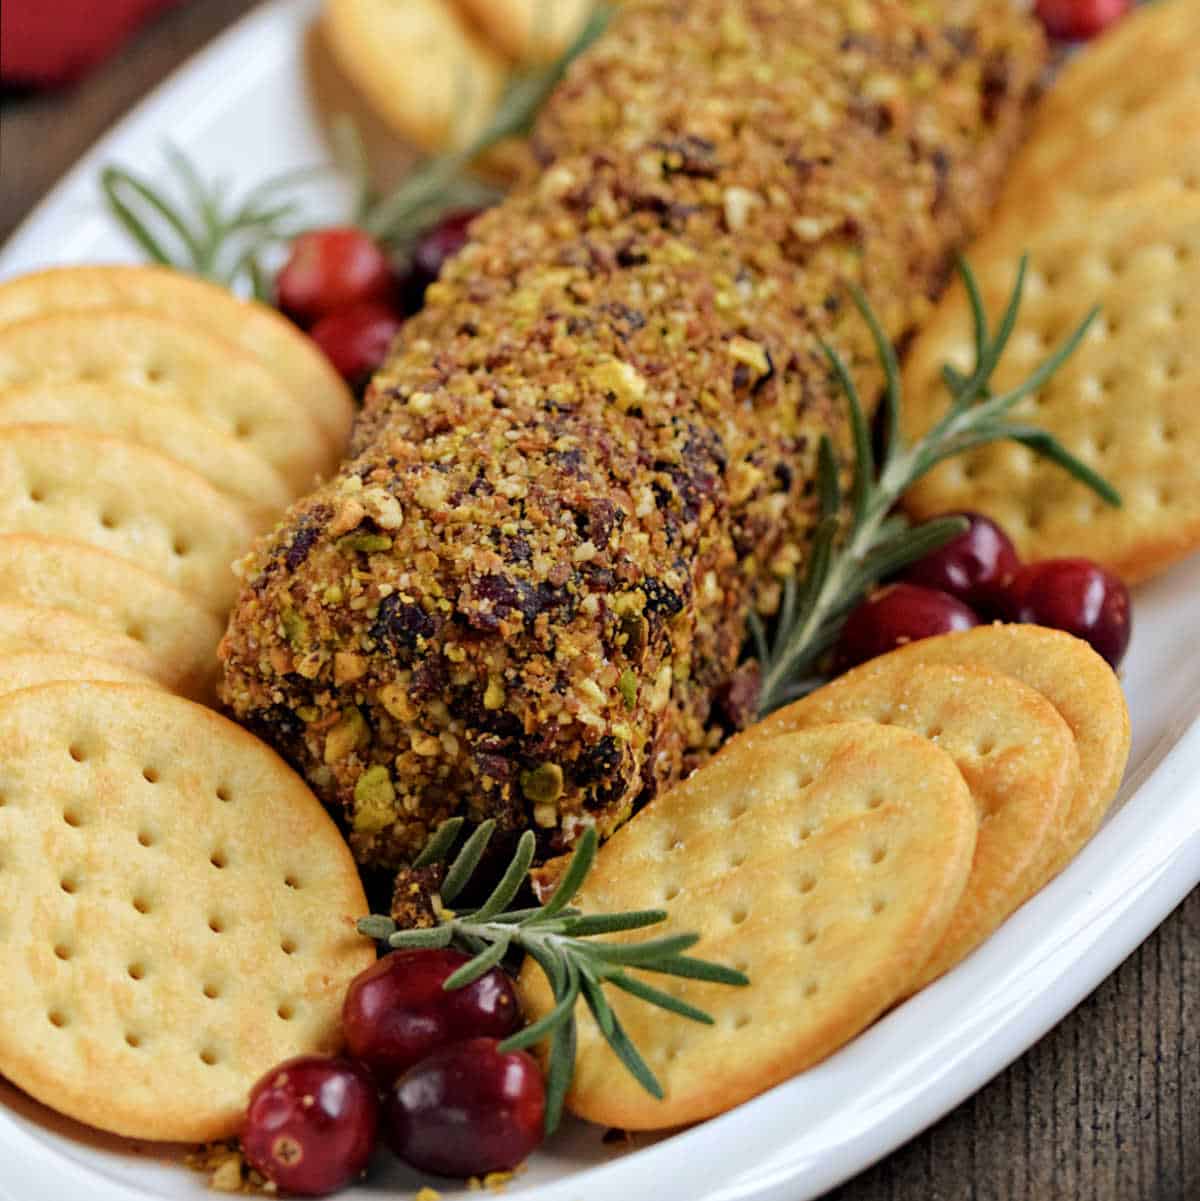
(1105, 199)
(150, 425)
(178, 910)
(847, 851)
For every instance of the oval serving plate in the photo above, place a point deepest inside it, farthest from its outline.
(242, 110)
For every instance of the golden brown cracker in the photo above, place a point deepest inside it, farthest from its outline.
(1015, 752)
(29, 669)
(824, 864)
(1114, 79)
(1124, 403)
(256, 328)
(57, 573)
(118, 496)
(1076, 681)
(419, 65)
(529, 30)
(177, 361)
(178, 910)
(28, 628)
(139, 415)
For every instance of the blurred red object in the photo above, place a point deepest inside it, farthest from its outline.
(45, 43)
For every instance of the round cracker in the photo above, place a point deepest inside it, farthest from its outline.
(178, 910)
(123, 498)
(180, 362)
(27, 628)
(256, 328)
(1076, 681)
(1124, 403)
(29, 669)
(1015, 752)
(57, 573)
(419, 65)
(141, 416)
(824, 864)
(530, 31)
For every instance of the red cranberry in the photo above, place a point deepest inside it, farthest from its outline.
(332, 269)
(898, 614)
(1075, 20)
(311, 1124)
(975, 567)
(1078, 596)
(356, 339)
(397, 1012)
(443, 241)
(467, 1110)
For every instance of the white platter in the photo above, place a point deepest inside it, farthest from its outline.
(242, 110)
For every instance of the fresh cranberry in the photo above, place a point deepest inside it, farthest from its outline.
(311, 1124)
(356, 339)
(443, 241)
(397, 1012)
(1075, 20)
(332, 269)
(467, 1110)
(898, 614)
(1078, 596)
(975, 567)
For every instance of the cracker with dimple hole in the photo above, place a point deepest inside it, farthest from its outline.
(57, 573)
(1076, 681)
(419, 65)
(1160, 144)
(1015, 752)
(176, 910)
(1125, 402)
(141, 416)
(825, 864)
(28, 669)
(123, 498)
(27, 628)
(530, 30)
(180, 362)
(1118, 76)
(256, 328)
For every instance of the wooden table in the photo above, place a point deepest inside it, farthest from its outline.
(1105, 1108)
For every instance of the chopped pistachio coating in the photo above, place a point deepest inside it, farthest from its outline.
(594, 450)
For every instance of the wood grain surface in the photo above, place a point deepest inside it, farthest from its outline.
(1105, 1108)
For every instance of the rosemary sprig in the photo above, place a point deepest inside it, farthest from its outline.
(206, 234)
(556, 936)
(843, 565)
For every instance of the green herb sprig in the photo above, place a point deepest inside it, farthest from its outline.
(229, 242)
(859, 539)
(560, 940)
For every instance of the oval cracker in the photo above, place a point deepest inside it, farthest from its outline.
(178, 910)
(1015, 752)
(824, 864)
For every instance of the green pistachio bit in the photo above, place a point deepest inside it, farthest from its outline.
(627, 686)
(295, 628)
(543, 783)
(374, 800)
(364, 542)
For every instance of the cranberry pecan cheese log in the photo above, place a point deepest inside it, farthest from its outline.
(525, 593)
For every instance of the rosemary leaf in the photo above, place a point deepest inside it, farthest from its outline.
(510, 883)
(438, 847)
(436, 937)
(474, 968)
(376, 926)
(612, 923)
(573, 877)
(632, 1059)
(696, 969)
(655, 996)
(561, 1069)
(467, 860)
(640, 952)
(593, 994)
(533, 1034)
